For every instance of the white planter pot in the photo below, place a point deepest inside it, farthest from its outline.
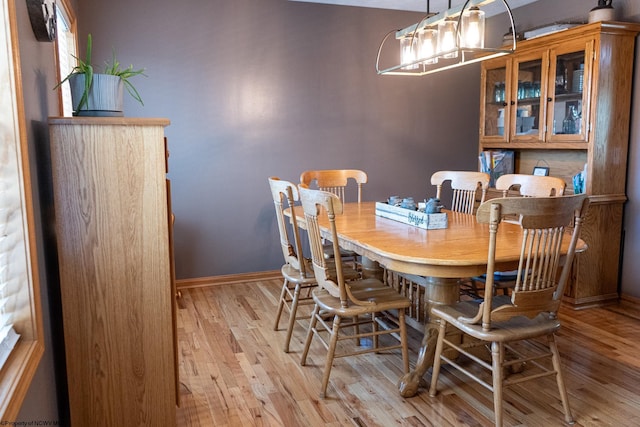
(106, 95)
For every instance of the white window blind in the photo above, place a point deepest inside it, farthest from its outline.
(14, 259)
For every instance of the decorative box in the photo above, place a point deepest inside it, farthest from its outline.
(419, 219)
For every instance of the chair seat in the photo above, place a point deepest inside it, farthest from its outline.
(327, 248)
(294, 275)
(380, 295)
(519, 327)
(501, 279)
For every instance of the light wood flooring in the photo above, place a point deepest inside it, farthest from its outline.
(233, 372)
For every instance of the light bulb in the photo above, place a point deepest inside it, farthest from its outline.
(447, 38)
(472, 30)
(428, 43)
(408, 47)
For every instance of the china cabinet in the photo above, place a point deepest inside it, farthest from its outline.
(537, 96)
(114, 250)
(563, 101)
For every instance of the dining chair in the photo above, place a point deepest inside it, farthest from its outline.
(465, 185)
(340, 304)
(336, 181)
(296, 271)
(531, 185)
(507, 324)
(528, 186)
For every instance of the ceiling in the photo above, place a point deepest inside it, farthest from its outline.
(421, 5)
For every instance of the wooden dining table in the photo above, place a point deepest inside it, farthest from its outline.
(440, 257)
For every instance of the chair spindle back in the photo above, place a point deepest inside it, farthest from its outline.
(465, 185)
(531, 185)
(286, 192)
(539, 285)
(335, 181)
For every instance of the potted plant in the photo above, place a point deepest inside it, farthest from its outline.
(100, 94)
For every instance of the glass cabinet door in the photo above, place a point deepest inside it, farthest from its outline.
(495, 113)
(569, 88)
(527, 93)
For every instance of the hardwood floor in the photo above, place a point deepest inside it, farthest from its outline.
(233, 372)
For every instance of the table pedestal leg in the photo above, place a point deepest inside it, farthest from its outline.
(371, 269)
(437, 291)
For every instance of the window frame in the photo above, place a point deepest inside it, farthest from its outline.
(70, 17)
(20, 367)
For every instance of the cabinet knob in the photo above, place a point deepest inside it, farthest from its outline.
(504, 104)
(513, 102)
(549, 99)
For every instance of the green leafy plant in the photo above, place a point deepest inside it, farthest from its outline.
(112, 68)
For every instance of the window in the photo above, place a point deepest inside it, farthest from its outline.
(19, 289)
(66, 51)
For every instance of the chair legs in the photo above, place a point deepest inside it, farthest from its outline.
(331, 351)
(292, 317)
(310, 332)
(498, 373)
(559, 379)
(294, 294)
(283, 295)
(497, 357)
(436, 359)
(334, 327)
(403, 341)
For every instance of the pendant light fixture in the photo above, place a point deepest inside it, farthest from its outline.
(446, 40)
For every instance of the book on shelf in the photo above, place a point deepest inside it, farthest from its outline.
(496, 163)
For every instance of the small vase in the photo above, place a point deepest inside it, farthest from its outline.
(602, 12)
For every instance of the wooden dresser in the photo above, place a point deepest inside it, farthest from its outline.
(113, 237)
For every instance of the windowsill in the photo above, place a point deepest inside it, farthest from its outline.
(16, 376)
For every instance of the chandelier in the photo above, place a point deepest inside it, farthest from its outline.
(441, 41)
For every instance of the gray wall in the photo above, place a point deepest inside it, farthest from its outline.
(630, 284)
(272, 87)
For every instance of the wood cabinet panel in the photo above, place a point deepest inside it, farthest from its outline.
(596, 281)
(112, 229)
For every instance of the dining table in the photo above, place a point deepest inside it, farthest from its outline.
(439, 257)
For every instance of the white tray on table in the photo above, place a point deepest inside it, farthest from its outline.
(416, 218)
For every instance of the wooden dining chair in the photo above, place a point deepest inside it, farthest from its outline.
(465, 185)
(505, 323)
(296, 271)
(341, 305)
(336, 181)
(528, 186)
(531, 185)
